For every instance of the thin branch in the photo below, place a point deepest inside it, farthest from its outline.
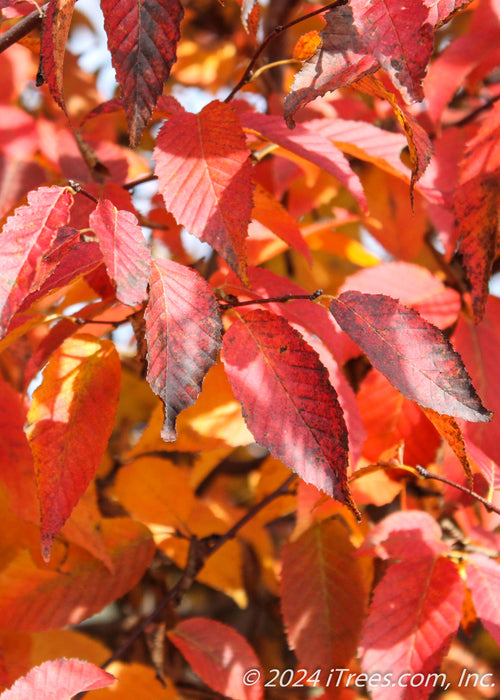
(140, 181)
(246, 77)
(426, 474)
(231, 304)
(199, 551)
(81, 190)
(475, 112)
(22, 28)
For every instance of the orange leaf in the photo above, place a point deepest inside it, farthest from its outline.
(70, 421)
(56, 25)
(32, 598)
(323, 596)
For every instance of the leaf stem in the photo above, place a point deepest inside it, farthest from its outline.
(199, 551)
(426, 474)
(230, 304)
(247, 75)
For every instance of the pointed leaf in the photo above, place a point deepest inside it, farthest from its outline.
(69, 423)
(288, 402)
(483, 581)
(124, 249)
(56, 25)
(219, 655)
(449, 429)
(323, 596)
(142, 39)
(33, 598)
(306, 142)
(412, 353)
(25, 236)
(183, 333)
(410, 633)
(204, 176)
(58, 680)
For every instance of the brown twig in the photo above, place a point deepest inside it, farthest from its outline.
(246, 77)
(140, 181)
(230, 304)
(22, 28)
(475, 112)
(199, 552)
(426, 474)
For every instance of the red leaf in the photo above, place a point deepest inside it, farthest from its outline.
(183, 333)
(483, 581)
(409, 633)
(400, 38)
(413, 285)
(306, 142)
(25, 236)
(476, 207)
(124, 249)
(70, 421)
(405, 535)
(16, 461)
(55, 31)
(478, 345)
(489, 469)
(340, 60)
(323, 596)
(412, 353)
(220, 656)
(58, 680)
(288, 403)
(142, 39)
(204, 176)
(67, 258)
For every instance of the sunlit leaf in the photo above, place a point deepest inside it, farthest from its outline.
(204, 176)
(58, 680)
(70, 421)
(287, 400)
(25, 237)
(183, 330)
(413, 354)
